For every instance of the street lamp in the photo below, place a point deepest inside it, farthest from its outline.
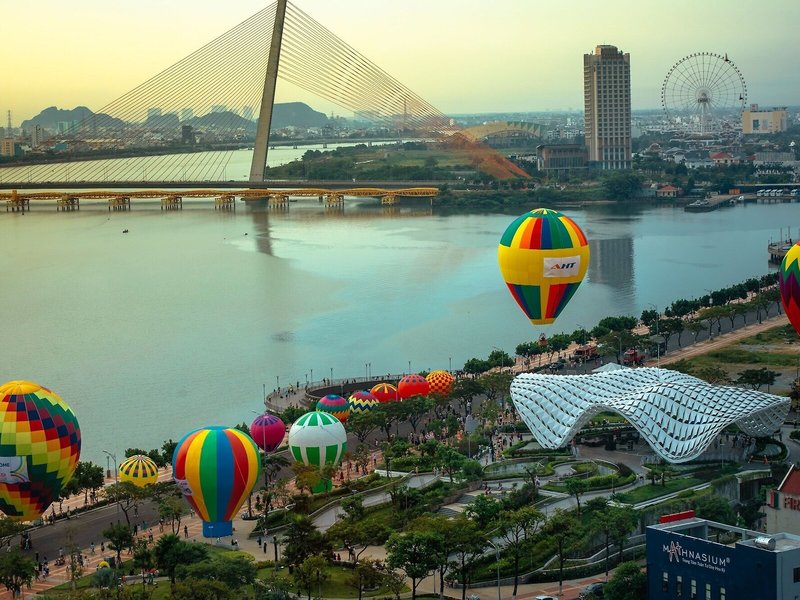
(450, 363)
(278, 382)
(275, 545)
(497, 557)
(331, 381)
(658, 337)
(116, 473)
(409, 367)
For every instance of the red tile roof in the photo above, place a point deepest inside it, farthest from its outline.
(791, 482)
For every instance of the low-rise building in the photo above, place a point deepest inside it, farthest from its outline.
(755, 120)
(698, 559)
(668, 191)
(782, 510)
(561, 157)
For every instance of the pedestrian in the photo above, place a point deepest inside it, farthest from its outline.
(92, 547)
(185, 531)
(265, 547)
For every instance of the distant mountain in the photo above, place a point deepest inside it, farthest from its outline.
(287, 114)
(221, 120)
(50, 117)
(297, 114)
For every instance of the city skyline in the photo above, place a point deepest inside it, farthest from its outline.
(510, 56)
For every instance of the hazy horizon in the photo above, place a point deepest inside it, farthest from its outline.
(510, 56)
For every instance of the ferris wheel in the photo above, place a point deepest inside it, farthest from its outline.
(703, 92)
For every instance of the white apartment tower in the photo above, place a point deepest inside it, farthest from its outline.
(607, 106)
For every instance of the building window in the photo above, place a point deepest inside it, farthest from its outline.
(665, 582)
(679, 586)
(797, 574)
(693, 589)
(708, 591)
(722, 595)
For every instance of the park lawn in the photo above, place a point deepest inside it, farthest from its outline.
(775, 335)
(650, 491)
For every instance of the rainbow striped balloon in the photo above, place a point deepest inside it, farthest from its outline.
(335, 405)
(216, 469)
(543, 256)
(789, 281)
(40, 443)
(140, 470)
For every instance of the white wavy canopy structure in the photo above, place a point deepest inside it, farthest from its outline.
(679, 415)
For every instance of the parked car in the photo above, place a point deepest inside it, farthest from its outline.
(593, 588)
(545, 598)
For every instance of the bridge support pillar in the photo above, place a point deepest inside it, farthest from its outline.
(68, 203)
(172, 203)
(225, 203)
(278, 201)
(389, 199)
(121, 203)
(334, 200)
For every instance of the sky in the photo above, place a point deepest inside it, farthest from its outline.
(462, 56)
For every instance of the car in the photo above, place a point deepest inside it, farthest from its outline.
(545, 598)
(593, 590)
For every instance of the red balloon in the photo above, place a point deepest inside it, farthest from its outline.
(413, 385)
(385, 392)
(267, 432)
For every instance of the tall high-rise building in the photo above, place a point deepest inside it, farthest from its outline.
(607, 105)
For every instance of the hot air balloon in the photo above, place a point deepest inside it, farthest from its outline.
(216, 469)
(318, 438)
(384, 392)
(335, 405)
(361, 402)
(789, 281)
(543, 258)
(40, 443)
(441, 382)
(413, 385)
(267, 432)
(140, 470)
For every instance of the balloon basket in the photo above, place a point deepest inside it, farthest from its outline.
(325, 485)
(218, 529)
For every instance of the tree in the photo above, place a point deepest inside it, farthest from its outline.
(755, 378)
(366, 575)
(621, 185)
(450, 460)
(306, 476)
(120, 537)
(414, 553)
(695, 326)
(233, 569)
(476, 366)
(170, 551)
(615, 524)
(416, 408)
(363, 424)
(16, 570)
(355, 533)
(168, 450)
(193, 588)
(303, 540)
(713, 374)
(496, 385)
(627, 583)
(172, 509)
(517, 527)
(464, 390)
(126, 495)
(484, 510)
(310, 574)
(576, 487)
(562, 527)
(715, 508)
(89, 477)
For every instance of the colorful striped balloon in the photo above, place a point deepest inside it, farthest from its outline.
(216, 469)
(789, 281)
(140, 470)
(335, 405)
(384, 392)
(441, 382)
(40, 444)
(361, 402)
(413, 385)
(267, 431)
(543, 257)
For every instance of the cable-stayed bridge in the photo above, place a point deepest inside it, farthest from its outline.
(200, 119)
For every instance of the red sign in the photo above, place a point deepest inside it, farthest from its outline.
(687, 514)
(791, 503)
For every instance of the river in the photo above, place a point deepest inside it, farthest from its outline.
(180, 322)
